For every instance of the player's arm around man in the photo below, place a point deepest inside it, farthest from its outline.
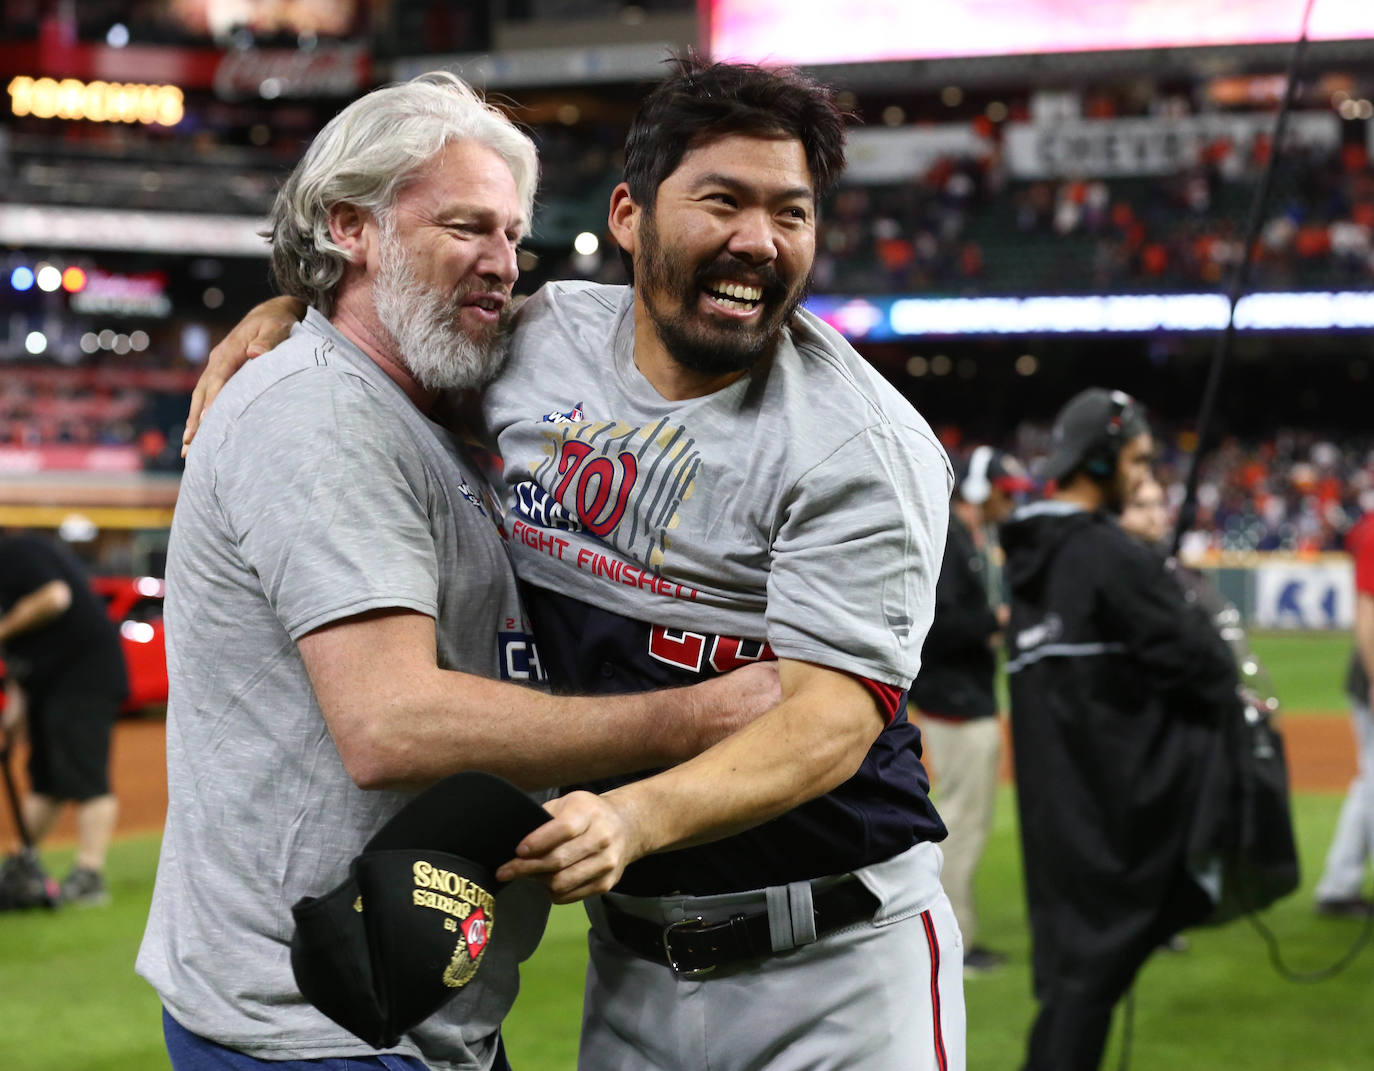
(802, 748)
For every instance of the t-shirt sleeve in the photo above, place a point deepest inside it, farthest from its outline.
(1364, 559)
(857, 555)
(328, 502)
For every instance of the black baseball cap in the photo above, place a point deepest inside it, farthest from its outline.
(409, 927)
(1090, 431)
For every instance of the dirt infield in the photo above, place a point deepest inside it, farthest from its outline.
(1321, 757)
(1320, 750)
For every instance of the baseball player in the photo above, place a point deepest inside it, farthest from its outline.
(700, 475)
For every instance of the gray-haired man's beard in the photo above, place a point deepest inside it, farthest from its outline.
(426, 327)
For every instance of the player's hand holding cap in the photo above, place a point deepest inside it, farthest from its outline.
(408, 928)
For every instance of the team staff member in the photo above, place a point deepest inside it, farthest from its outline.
(1340, 892)
(955, 692)
(66, 668)
(340, 603)
(700, 474)
(1116, 691)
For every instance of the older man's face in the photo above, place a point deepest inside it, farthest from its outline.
(446, 265)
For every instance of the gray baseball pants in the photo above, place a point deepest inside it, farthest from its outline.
(882, 995)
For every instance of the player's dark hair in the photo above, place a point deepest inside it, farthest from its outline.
(701, 102)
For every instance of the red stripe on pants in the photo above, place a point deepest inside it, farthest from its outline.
(933, 942)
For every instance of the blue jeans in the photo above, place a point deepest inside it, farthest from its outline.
(191, 1052)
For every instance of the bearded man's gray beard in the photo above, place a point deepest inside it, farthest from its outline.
(425, 327)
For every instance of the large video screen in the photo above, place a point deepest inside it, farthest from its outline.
(215, 18)
(818, 31)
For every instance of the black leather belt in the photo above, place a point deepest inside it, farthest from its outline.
(693, 947)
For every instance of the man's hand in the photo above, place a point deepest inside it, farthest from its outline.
(731, 701)
(581, 852)
(265, 326)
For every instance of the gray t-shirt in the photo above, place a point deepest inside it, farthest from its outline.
(805, 504)
(315, 491)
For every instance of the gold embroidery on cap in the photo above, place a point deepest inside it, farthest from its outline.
(464, 900)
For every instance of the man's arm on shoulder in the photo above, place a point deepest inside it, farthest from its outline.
(807, 745)
(398, 719)
(267, 325)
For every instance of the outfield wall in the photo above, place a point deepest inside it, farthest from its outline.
(1286, 591)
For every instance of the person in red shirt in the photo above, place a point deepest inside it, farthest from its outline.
(1340, 892)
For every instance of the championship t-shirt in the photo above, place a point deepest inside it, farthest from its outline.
(315, 491)
(799, 512)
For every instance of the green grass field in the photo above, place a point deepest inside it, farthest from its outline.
(69, 998)
(1308, 669)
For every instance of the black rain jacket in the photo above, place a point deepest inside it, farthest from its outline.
(957, 665)
(1118, 688)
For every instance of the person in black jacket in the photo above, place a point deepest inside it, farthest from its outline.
(954, 691)
(1117, 694)
(67, 677)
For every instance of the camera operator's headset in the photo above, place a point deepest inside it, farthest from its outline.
(1100, 456)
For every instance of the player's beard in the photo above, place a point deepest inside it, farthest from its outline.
(426, 326)
(671, 290)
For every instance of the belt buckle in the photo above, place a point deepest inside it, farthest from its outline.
(695, 922)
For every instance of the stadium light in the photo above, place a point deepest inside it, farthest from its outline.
(885, 319)
(137, 631)
(49, 278)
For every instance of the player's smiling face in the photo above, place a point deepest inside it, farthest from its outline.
(724, 258)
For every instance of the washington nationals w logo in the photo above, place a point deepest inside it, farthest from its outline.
(620, 482)
(601, 485)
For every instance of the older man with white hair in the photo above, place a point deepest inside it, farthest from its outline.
(343, 625)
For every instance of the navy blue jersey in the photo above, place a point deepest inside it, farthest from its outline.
(881, 811)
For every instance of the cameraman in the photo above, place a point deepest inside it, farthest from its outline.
(1116, 688)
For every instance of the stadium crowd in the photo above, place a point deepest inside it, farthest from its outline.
(1298, 492)
(966, 226)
